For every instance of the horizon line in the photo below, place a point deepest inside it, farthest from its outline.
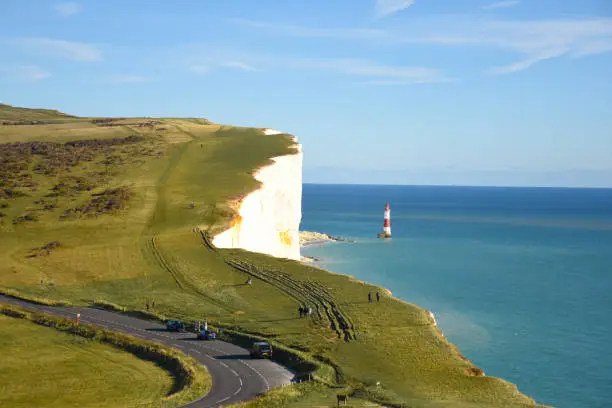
(456, 186)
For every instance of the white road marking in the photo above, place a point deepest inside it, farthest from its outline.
(235, 373)
(240, 379)
(196, 351)
(221, 400)
(238, 390)
(224, 365)
(265, 380)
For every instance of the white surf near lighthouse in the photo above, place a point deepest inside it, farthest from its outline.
(386, 223)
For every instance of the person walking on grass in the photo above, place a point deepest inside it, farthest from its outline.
(370, 297)
(377, 297)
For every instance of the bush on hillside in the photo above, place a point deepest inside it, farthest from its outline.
(8, 193)
(25, 218)
(107, 202)
(44, 250)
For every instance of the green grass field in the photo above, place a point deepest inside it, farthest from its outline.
(43, 367)
(133, 237)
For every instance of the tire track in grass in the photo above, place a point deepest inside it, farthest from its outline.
(183, 282)
(150, 246)
(305, 292)
(161, 261)
(149, 235)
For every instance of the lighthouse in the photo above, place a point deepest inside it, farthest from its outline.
(386, 223)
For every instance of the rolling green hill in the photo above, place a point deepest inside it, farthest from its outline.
(120, 211)
(74, 364)
(13, 113)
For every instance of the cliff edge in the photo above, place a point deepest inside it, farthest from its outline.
(268, 219)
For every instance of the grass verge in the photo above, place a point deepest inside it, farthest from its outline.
(305, 395)
(34, 299)
(191, 380)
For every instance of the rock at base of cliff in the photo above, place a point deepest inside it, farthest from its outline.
(313, 238)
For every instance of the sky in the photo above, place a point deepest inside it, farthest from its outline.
(462, 92)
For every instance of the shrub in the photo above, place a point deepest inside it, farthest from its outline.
(44, 250)
(8, 193)
(108, 201)
(25, 218)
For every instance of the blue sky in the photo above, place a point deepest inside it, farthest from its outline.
(467, 92)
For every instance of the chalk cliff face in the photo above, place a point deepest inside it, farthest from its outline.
(269, 218)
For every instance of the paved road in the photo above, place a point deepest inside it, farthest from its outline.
(235, 376)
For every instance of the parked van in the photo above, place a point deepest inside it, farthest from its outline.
(261, 349)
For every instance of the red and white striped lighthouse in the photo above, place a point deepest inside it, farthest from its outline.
(387, 221)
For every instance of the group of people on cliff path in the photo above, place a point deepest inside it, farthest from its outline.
(307, 311)
(304, 311)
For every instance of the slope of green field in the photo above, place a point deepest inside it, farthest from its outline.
(14, 113)
(120, 221)
(43, 367)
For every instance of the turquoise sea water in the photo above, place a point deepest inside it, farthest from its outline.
(519, 278)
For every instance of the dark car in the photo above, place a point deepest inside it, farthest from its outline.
(261, 349)
(207, 335)
(175, 325)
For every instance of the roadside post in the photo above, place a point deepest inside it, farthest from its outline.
(78, 318)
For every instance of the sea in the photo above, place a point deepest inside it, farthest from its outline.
(520, 279)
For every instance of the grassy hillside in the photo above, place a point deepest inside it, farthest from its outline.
(98, 212)
(69, 371)
(13, 113)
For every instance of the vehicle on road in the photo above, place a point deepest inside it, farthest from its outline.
(175, 325)
(261, 349)
(207, 335)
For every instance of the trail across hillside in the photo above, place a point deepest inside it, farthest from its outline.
(235, 376)
(307, 293)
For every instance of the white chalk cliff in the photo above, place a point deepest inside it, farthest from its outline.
(268, 219)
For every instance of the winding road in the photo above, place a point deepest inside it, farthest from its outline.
(235, 376)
